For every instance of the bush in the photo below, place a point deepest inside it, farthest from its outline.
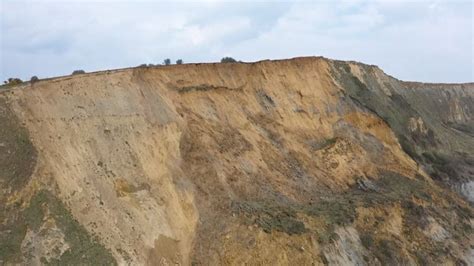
(78, 72)
(179, 61)
(228, 60)
(167, 62)
(34, 79)
(13, 81)
(366, 240)
(142, 65)
(408, 147)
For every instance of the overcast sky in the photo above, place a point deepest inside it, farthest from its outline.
(429, 41)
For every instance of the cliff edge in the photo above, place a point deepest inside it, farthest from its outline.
(300, 161)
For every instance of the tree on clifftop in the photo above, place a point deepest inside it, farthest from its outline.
(13, 81)
(228, 60)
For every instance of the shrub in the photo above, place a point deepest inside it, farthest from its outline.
(179, 61)
(142, 65)
(367, 240)
(34, 79)
(408, 147)
(228, 60)
(167, 62)
(78, 72)
(13, 81)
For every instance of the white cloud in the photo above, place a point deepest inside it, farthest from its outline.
(426, 45)
(421, 40)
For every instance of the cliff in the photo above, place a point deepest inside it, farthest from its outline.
(299, 161)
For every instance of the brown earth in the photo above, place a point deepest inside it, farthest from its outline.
(302, 161)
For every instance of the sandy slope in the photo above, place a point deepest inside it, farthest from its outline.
(277, 162)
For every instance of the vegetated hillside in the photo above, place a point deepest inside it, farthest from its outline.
(301, 161)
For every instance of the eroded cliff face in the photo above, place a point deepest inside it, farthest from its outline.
(449, 114)
(302, 161)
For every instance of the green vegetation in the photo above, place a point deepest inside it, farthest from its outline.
(320, 145)
(78, 72)
(435, 158)
(273, 216)
(338, 211)
(84, 249)
(167, 62)
(335, 210)
(408, 147)
(265, 100)
(11, 82)
(388, 251)
(228, 60)
(442, 165)
(385, 250)
(12, 232)
(179, 61)
(16, 168)
(270, 216)
(367, 240)
(395, 110)
(465, 128)
(17, 165)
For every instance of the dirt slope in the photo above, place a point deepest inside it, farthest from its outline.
(302, 161)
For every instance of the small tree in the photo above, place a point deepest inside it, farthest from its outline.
(77, 72)
(34, 79)
(179, 61)
(228, 60)
(13, 81)
(167, 62)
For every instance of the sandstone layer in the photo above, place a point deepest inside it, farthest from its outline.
(301, 161)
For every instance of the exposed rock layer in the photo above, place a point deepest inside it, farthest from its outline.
(298, 161)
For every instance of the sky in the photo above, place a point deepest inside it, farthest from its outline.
(424, 40)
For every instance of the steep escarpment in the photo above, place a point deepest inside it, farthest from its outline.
(296, 161)
(433, 122)
(449, 110)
